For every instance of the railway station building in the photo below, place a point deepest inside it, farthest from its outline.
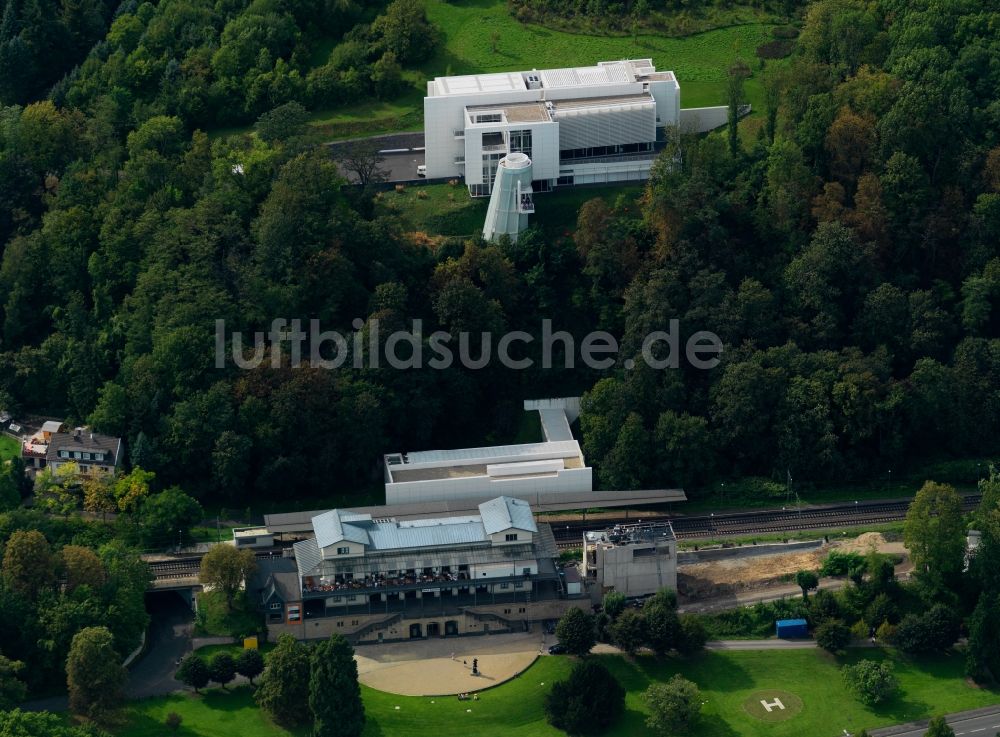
(381, 578)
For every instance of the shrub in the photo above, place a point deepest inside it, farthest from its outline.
(935, 629)
(785, 32)
(613, 604)
(871, 682)
(193, 672)
(757, 620)
(777, 49)
(886, 632)
(833, 635)
(838, 563)
(222, 669)
(250, 664)
(662, 626)
(691, 635)
(173, 721)
(400, 188)
(422, 195)
(629, 631)
(807, 581)
(588, 702)
(882, 609)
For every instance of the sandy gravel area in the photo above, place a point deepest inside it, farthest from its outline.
(444, 666)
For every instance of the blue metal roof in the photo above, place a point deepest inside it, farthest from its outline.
(505, 513)
(333, 527)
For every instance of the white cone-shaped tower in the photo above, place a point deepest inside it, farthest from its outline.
(511, 201)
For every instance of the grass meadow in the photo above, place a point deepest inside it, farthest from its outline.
(443, 209)
(469, 27)
(730, 682)
(9, 448)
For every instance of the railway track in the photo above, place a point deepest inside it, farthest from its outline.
(189, 567)
(568, 534)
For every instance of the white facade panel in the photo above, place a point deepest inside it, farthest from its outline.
(448, 154)
(606, 126)
(572, 480)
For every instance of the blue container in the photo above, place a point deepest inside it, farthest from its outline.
(788, 629)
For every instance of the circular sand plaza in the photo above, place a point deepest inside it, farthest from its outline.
(443, 667)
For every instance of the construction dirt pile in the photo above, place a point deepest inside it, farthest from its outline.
(750, 573)
(715, 578)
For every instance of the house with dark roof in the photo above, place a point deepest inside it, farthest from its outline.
(274, 588)
(89, 450)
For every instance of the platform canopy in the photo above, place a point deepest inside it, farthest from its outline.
(301, 522)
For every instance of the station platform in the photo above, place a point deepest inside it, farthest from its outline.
(301, 522)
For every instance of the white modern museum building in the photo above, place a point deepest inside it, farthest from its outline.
(577, 126)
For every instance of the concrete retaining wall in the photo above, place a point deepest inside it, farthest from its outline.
(704, 119)
(746, 551)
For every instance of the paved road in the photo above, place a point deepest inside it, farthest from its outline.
(169, 640)
(774, 645)
(402, 166)
(403, 152)
(983, 722)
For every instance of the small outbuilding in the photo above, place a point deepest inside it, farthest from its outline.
(787, 629)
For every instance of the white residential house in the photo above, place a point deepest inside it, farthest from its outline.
(90, 451)
(578, 125)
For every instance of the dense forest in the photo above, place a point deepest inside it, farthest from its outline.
(672, 16)
(848, 254)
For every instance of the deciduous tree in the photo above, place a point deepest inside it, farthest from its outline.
(222, 669)
(193, 672)
(934, 533)
(673, 706)
(29, 565)
(628, 631)
(82, 567)
(227, 569)
(807, 581)
(250, 664)
(872, 682)
(12, 687)
(94, 674)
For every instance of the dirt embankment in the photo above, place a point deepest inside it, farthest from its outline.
(721, 577)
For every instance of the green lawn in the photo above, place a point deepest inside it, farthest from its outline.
(215, 618)
(443, 209)
(514, 709)
(9, 448)
(435, 209)
(215, 713)
(404, 113)
(700, 61)
(235, 649)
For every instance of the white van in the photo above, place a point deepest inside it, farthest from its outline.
(421, 170)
